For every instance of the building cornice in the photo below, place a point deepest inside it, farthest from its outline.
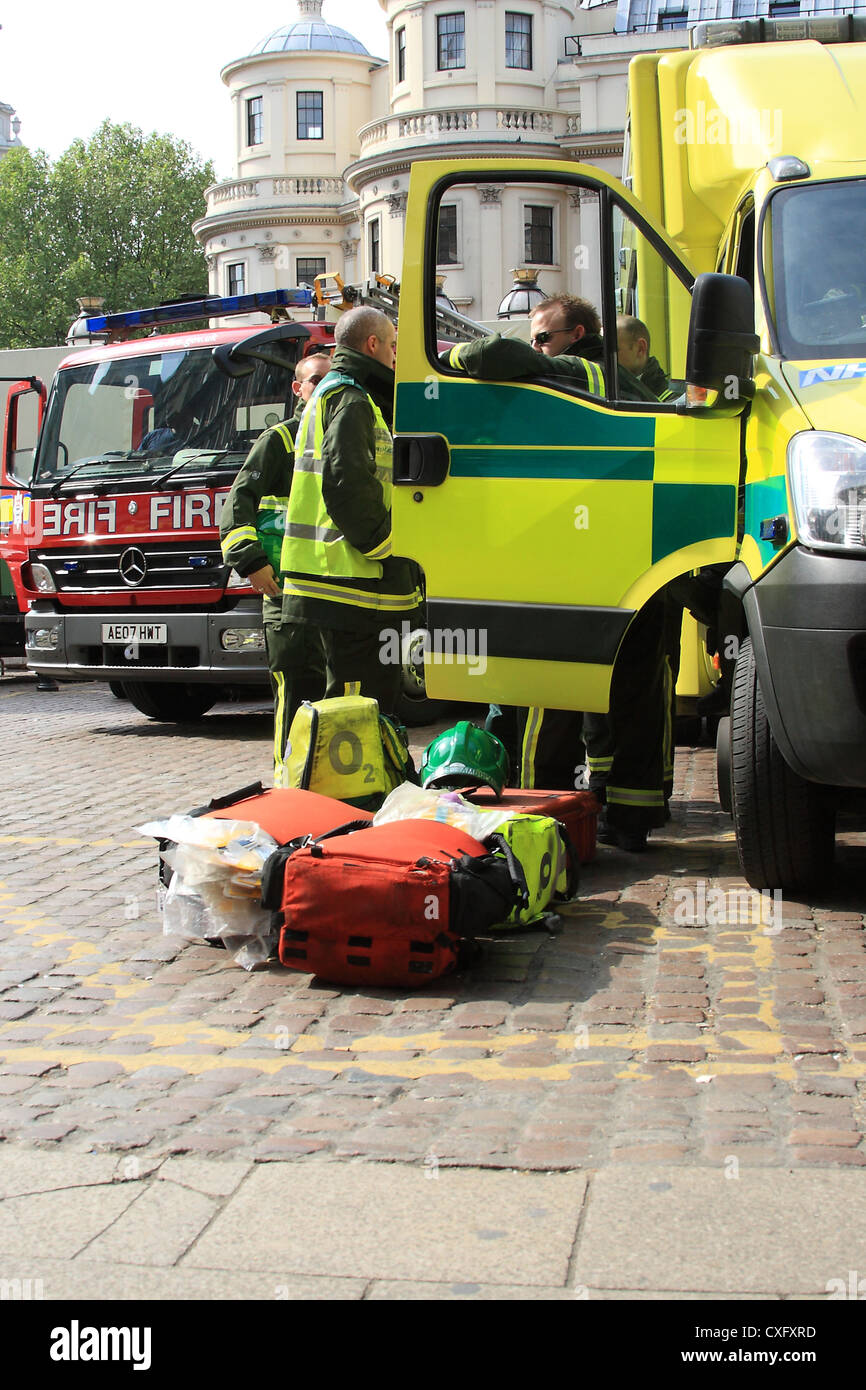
(366, 60)
(209, 227)
(365, 171)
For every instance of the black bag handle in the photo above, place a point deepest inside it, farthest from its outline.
(515, 868)
(310, 842)
(493, 873)
(219, 803)
(274, 868)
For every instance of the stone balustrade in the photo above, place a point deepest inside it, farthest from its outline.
(476, 123)
(234, 191)
(541, 121)
(308, 191)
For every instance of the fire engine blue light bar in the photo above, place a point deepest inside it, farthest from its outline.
(202, 309)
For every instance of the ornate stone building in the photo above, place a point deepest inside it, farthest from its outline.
(326, 135)
(9, 128)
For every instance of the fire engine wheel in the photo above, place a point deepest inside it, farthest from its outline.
(785, 826)
(170, 701)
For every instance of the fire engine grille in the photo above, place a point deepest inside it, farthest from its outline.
(97, 570)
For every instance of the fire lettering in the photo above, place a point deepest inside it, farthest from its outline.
(106, 515)
(190, 512)
(74, 519)
(159, 507)
(196, 506)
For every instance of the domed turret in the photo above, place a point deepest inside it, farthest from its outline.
(310, 34)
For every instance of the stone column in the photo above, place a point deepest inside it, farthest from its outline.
(488, 275)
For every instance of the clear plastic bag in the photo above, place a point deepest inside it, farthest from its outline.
(241, 844)
(215, 889)
(408, 802)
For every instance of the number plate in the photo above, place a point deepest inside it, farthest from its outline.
(145, 634)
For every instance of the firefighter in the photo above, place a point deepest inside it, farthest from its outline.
(625, 748)
(251, 531)
(339, 573)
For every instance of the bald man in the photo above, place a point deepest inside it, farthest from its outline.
(339, 573)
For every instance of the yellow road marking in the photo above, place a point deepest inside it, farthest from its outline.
(170, 1040)
(66, 841)
(410, 1069)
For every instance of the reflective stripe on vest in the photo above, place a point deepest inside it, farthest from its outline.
(240, 533)
(594, 373)
(357, 598)
(312, 544)
(594, 377)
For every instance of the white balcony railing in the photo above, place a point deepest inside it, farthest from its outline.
(474, 124)
(309, 191)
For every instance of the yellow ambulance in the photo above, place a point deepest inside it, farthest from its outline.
(545, 517)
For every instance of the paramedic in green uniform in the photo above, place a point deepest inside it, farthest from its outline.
(339, 573)
(251, 530)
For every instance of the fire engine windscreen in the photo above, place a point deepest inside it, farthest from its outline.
(142, 416)
(816, 281)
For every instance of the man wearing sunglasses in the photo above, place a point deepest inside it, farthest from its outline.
(565, 330)
(252, 525)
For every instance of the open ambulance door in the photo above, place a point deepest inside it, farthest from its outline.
(543, 514)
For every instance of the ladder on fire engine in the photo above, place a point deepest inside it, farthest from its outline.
(382, 292)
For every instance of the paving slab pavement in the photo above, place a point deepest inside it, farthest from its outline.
(321, 1228)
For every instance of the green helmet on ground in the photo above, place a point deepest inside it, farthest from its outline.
(465, 756)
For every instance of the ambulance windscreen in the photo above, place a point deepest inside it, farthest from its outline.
(816, 273)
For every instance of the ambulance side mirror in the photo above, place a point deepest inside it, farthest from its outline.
(722, 337)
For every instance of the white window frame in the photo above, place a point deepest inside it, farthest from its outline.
(230, 265)
(541, 202)
(371, 222)
(458, 264)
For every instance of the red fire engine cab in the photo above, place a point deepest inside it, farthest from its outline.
(111, 531)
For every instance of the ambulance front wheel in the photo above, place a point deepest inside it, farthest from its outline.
(723, 763)
(785, 826)
(415, 709)
(170, 701)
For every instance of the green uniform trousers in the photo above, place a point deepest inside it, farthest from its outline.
(296, 665)
(625, 749)
(350, 665)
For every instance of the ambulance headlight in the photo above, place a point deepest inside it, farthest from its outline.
(243, 639)
(827, 478)
(43, 579)
(45, 639)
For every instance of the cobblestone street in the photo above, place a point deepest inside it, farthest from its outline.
(630, 1035)
(665, 1025)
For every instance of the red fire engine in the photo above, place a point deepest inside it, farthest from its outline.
(111, 534)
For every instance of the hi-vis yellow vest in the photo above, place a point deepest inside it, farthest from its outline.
(312, 543)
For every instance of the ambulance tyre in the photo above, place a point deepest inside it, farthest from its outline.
(170, 701)
(414, 708)
(723, 763)
(785, 826)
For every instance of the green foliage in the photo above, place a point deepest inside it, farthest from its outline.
(111, 217)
